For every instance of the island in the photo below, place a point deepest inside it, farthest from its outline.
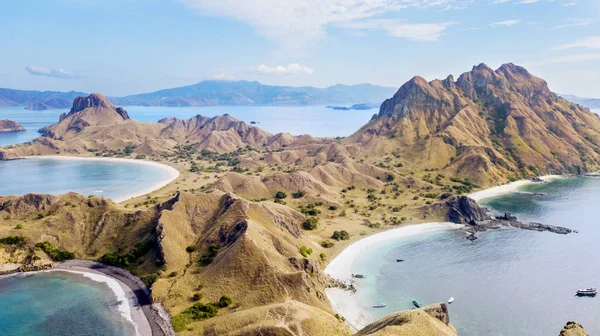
(363, 106)
(239, 242)
(10, 126)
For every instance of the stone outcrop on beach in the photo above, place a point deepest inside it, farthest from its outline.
(432, 320)
(10, 126)
(464, 210)
(573, 329)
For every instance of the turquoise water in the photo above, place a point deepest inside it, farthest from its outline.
(100, 178)
(59, 303)
(509, 281)
(314, 120)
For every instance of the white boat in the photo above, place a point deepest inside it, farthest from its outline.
(450, 300)
(591, 291)
(379, 305)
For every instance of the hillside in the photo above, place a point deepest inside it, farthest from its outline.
(37, 99)
(10, 126)
(489, 126)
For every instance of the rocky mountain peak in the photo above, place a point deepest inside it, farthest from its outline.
(93, 100)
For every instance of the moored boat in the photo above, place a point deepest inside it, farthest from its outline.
(591, 291)
(416, 303)
(358, 276)
(399, 260)
(379, 305)
(451, 299)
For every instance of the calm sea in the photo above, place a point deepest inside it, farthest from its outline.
(101, 178)
(509, 281)
(314, 120)
(58, 304)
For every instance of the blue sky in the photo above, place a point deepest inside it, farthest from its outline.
(132, 46)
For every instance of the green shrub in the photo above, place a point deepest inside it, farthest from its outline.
(197, 312)
(280, 195)
(140, 156)
(54, 253)
(299, 194)
(305, 251)
(326, 244)
(13, 240)
(149, 279)
(125, 260)
(311, 223)
(191, 248)
(19, 226)
(340, 235)
(224, 301)
(197, 297)
(332, 207)
(323, 256)
(207, 257)
(172, 274)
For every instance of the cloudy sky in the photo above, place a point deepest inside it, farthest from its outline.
(121, 47)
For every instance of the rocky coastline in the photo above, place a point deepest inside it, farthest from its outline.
(10, 126)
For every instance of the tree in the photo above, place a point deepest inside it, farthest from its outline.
(311, 223)
(224, 301)
(280, 195)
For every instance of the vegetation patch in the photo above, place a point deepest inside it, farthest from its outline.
(55, 253)
(125, 260)
(207, 257)
(197, 312)
(13, 240)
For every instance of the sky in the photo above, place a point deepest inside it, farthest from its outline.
(121, 47)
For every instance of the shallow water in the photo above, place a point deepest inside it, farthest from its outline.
(509, 281)
(59, 303)
(101, 178)
(314, 120)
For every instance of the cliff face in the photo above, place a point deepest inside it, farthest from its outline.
(573, 329)
(432, 320)
(487, 125)
(10, 126)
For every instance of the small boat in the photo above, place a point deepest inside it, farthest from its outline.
(399, 260)
(591, 291)
(379, 305)
(451, 299)
(358, 276)
(416, 303)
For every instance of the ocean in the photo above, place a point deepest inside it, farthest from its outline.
(507, 282)
(59, 303)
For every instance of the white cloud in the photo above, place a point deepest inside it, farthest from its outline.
(223, 76)
(56, 73)
(506, 23)
(528, 1)
(296, 24)
(576, 22)
(427, 32)
(569, 59)
(570, 4)
(495, 2)
(592, 42)
(291, 69)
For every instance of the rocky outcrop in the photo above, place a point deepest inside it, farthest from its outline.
(465, 210)
(573, 328)
(38, 106)
(426, 321)
(10, 126)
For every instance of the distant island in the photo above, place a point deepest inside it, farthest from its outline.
(10, 126)
(212, 93)
(363, 106)
(587, 102)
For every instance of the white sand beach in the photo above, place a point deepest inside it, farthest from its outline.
(344, 302)
(172, 173)
(508, 188)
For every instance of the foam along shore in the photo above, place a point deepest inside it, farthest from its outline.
(172, 173)
(340, 268)
(509, 188)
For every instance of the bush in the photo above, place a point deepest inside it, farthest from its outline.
(280, 195)
(13, 240)
(340, 235)
(172, 274)
(197, 312)
(332, 207)
(125, 260)
(299, 194)
(207, 257)
(311, 223)
(323, 256)
(197, 297)
(326, 244)
(19, 226)
(305, 251)
(224, 301)
(150, 279)
(54, 253)
(140, 156)
(191, 248)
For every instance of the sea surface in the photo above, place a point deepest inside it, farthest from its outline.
(59, 303)
(109, 179)
(507, 282)
(314, 120)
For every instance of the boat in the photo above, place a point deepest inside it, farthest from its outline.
(379, 305)
(591, 291)
(451, 299)
(358, 276)
(416, 303)
(399, 260)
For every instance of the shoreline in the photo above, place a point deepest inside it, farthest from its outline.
(340, 268)
(509, 188)
(172, 173)
(135, 301)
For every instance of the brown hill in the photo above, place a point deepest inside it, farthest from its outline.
(487, 125)
(10, 126)
(573, 329)
(432, 320)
